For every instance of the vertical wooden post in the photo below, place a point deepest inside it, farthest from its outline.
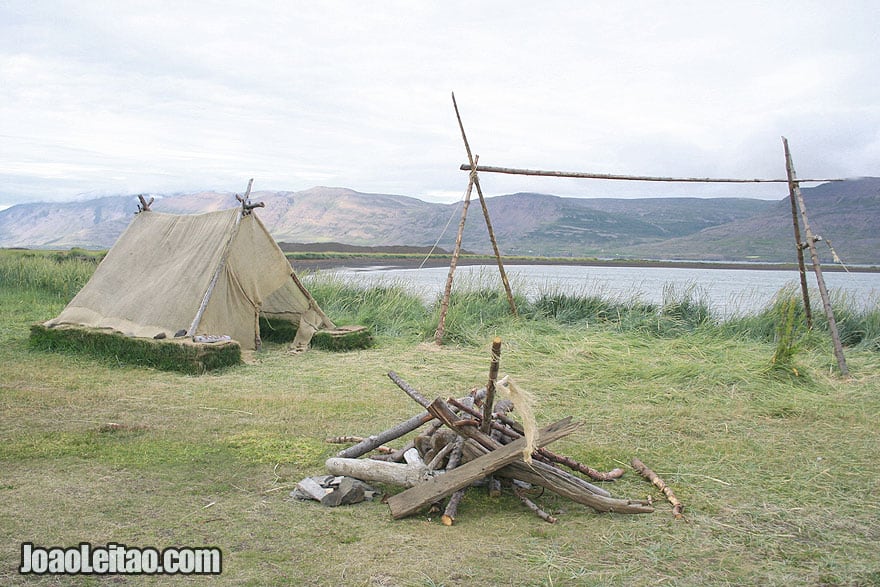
(817, 269)
(476, 180)
(489, 402)
(444, 303)
(792, 183)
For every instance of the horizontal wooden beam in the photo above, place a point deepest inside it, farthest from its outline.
(583, 175)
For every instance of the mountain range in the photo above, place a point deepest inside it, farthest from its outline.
(845, 213)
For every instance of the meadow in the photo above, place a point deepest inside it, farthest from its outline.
(773, 454)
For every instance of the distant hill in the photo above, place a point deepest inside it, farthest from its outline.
(723, 229)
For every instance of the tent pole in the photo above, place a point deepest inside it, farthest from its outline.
(792, 183)
(817, 269)
(476, 181)
(444, 304)
(207, 297)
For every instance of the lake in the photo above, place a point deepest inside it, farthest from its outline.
(729, 292)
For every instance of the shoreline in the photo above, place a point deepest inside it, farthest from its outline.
(411, 262)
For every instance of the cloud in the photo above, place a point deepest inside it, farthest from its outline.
(175, 96)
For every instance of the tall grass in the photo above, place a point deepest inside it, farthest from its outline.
(387, 308)
(478, 305)
(60, 275)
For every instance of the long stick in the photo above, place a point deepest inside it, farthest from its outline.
(792, 184)
(817, 269)
(447, 292)
(584, 175)
(644, 471)
(486, 424)
(378, 440)
(476, 180)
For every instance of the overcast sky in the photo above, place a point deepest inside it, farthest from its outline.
(124, 97)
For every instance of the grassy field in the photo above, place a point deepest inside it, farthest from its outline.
(773, 455)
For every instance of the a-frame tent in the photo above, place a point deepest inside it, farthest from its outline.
(205, 275)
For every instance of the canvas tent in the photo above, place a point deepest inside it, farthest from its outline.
(210, 274)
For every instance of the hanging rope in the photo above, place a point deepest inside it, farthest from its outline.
(442, 232)
(834, 255)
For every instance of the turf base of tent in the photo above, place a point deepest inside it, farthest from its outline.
(167, 354)
(344, 338)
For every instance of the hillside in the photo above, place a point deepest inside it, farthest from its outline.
(728, 229)
(844, 214)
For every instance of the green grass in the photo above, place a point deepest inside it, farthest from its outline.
(779, 475)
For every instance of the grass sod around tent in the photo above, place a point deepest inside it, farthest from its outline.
(343, 338)
(184, 356)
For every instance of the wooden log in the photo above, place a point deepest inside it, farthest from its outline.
(412, 500)
(534, 507)
(410, 390)
(574, 465)
(399, 474)
(357, 439)
(644, 471)
(377, 440)
(564, 484)
(489, 402)
(448, 517)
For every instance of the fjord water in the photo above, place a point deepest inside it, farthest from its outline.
(729, 292)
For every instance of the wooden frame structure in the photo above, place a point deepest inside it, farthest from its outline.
(798, 210)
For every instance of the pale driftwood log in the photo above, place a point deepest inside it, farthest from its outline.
(647, 473)
(377, 440)
(398, 474)
(412, 500)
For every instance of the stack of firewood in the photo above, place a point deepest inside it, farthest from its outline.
(472, 441)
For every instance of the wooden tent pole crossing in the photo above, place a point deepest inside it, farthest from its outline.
(802, 271)
(476, 181)
(447, 292)
(817, 269)
(615, 176)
